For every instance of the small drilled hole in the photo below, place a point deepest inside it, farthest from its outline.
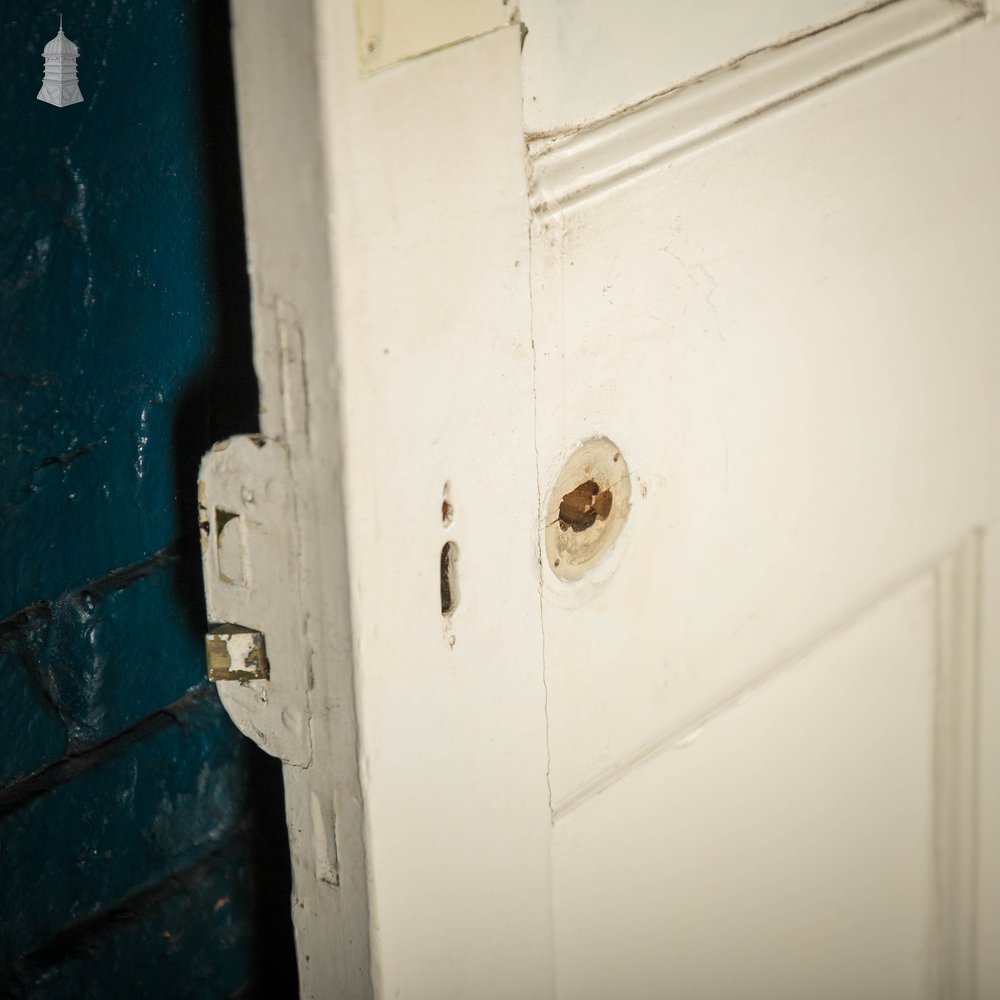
(449, 592)
(581, 507)
(447, 511)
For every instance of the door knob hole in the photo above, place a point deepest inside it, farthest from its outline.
(587, 508)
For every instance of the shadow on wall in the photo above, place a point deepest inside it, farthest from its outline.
(223, 401)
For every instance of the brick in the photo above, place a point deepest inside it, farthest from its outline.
(80, 669)
(192, 939)
(107, 501)
(31, 732)
(111, 654)
(132, 814)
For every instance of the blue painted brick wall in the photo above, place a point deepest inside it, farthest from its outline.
(111, 824)
(178, 932)
(106, 309)
(130, 842)
(93, 662)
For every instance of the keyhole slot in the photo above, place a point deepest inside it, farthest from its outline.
(449, 582)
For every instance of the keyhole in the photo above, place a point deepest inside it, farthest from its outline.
(449, 588)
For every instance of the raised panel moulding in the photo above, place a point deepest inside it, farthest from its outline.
(575, 165)
(959, 597)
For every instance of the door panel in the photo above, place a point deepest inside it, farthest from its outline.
(790, 335)
(784, 849)
(987, 873)
(585, 60)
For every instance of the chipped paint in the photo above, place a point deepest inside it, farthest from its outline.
(391, 31)
(236, 653)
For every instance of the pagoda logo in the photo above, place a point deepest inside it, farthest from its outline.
(59, 85)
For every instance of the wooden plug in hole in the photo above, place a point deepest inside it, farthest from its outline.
(449, 584)
(586, 508)
(582, 506)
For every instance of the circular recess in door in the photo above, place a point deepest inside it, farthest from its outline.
(587, 508)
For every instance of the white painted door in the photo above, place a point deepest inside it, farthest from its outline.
(623, 529)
